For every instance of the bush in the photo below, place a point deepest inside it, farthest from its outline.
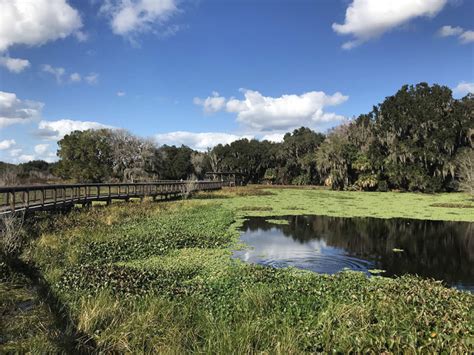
(382, 186)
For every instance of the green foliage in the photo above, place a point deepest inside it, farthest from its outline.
(410, 140)
(85, 156)
(122, 280)
(160, 279)
(157, 236)
(175, 162)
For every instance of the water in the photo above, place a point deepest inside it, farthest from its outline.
(431, 249)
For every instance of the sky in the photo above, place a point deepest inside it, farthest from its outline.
(203, 72)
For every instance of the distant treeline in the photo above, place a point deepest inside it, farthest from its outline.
(33, 172)
(420, 139)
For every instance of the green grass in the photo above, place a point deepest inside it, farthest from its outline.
(157, 277)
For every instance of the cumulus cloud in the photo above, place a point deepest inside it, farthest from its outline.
(447, 31)
(120, 93)
(7, 144)
(36, 22)
(198, 141)
(55, 130)
(57, 72)
(467, 37)
(75, 77)
(273, 137)
(25, 158)
(92, 78)
(15, 65)
(369, 19)
(463, 35)
(41, 148)
(128, 17)
(464, 88)
(211, 104)
(262, 113)
(13, 110)
(81, 36)
(41, 152)
(15, 152)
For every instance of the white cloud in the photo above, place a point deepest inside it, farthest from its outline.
(7, 144)
(263, 113)
(447, 31)
(55, 130)
(198, 141)
(467, 37)
(81, 36)
(133, 16)
(464, 37)
(211, 104)
(41, 148)
(369, 19)
(15, 152)
(120, 93)
(24, 158)
(57, 72)
(464, 88)
(75, 77)
(36, 22)
(13, 110)
(92, 78)
(15, 65)
(273, 137)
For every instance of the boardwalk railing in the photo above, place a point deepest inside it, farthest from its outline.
(45, 197)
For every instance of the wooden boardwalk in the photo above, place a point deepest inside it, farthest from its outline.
(53, 197)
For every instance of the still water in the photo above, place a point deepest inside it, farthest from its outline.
(431, 249)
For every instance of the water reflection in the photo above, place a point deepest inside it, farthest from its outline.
(435, 249)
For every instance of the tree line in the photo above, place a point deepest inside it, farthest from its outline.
(420, 139)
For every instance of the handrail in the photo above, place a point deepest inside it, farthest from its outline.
(42, 197)
(49, 186)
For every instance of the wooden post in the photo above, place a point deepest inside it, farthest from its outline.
(12, 200)
(27, 192)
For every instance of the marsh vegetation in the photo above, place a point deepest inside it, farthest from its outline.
(159, 277)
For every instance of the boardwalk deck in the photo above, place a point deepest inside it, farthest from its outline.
(47, 197)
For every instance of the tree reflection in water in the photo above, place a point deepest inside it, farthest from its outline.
(435, 249)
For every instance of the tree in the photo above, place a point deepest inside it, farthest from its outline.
(296, 156)
(175, 162)
(334, 158)
(133, 158)
(85, 156)
(420, 129)
(201, 164)
(465, 169)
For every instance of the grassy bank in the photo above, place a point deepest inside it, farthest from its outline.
(159, 277)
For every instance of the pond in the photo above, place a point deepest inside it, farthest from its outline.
(431, 249)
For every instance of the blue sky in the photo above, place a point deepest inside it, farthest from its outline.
(212, 71)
